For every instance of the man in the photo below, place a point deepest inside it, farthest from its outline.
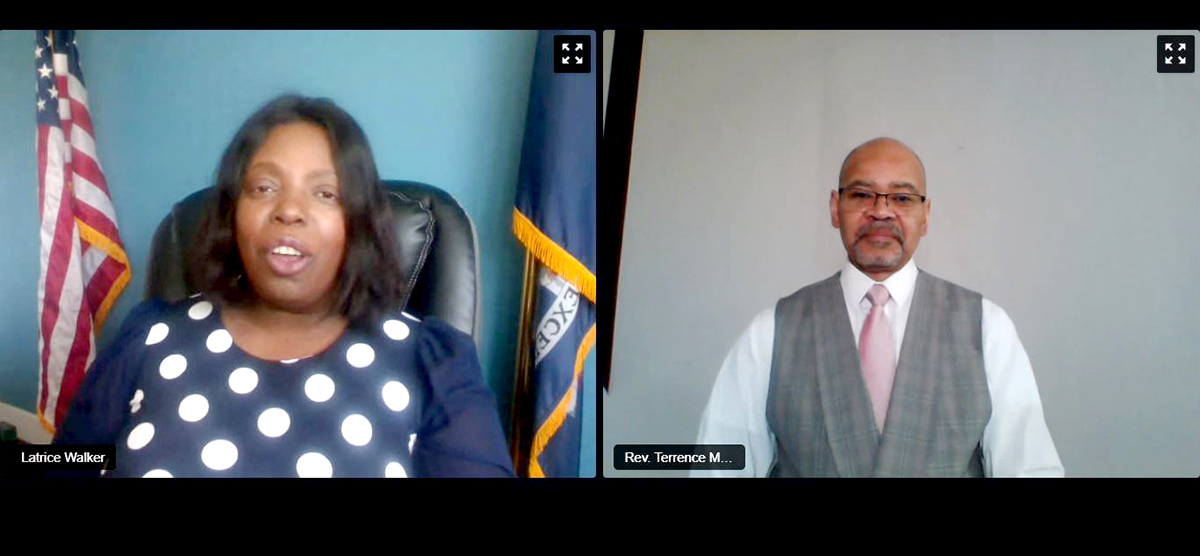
(881, 369)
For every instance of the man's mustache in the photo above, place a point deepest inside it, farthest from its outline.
(876, 227)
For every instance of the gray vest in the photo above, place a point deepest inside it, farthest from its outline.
(819, 409)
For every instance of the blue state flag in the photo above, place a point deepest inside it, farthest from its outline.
(555, 218)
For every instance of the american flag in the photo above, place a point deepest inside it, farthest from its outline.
(83, 262)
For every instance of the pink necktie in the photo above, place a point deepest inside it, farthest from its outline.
(877, 351)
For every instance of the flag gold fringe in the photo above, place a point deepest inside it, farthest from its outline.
(103, 243)
(554, 256)
(46, 424)
(559, 415)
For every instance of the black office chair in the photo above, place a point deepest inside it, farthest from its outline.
(439, 255)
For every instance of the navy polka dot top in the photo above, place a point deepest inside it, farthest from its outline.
(179, 398)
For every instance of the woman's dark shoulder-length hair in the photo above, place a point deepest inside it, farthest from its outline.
(364, 289)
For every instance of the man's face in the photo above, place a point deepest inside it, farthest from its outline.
(880, 237)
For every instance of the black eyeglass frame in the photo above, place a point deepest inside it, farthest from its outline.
(886, 200)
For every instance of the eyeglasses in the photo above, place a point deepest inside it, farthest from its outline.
(861, 199)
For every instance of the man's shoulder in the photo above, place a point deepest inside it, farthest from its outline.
(827, 286)
(993, 315)
(934, 282)
(764, 321)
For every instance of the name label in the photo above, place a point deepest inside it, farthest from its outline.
(24, 459)
(661, 457)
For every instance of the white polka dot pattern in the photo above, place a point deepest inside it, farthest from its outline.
(319, 388)
(360, 355)
(243, 380)
(224, 451)
(200, 310)
(395, 329)
(356, 429)
(274, 422)
(140, 436)
(157, 333)
(395, 395)
(219, 455)
(394, 471)
(314, 465)
(219, 341)
(193, 408)
(172, 366)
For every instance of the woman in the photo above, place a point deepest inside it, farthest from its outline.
(294, 359)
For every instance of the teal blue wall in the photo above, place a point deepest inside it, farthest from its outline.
(18, 221)
(446, 108)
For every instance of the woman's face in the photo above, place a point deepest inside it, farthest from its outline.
(291, 229)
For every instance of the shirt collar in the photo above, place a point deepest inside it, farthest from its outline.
(900, 285)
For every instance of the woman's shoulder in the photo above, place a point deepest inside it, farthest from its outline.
(144, 316)
(442, 339)
(153, 315)
(432, 341)
(158, 309)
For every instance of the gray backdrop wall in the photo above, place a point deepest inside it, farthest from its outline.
(1064, 176)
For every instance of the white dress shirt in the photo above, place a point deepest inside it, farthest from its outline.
(1016, 442)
